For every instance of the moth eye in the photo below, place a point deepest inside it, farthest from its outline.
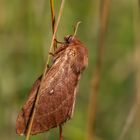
(51, 92)
(68, 38)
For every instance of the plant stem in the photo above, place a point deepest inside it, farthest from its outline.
(52, 14)
(104, 13)
(53, 21)
(61, 130)
(46, 68)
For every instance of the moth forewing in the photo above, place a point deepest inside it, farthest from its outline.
(58, 91)
(25, 113)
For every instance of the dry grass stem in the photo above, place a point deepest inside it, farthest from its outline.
(46, 68)
(52, 14)
(104, 14)
(53, 22)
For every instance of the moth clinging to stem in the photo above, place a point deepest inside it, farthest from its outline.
(58, 91)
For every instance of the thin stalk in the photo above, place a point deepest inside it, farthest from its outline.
(53, 21)
(104, 14)
(52, 14)
(60, 131)
(46, 68)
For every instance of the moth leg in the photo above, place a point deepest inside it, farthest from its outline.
(48, 67)
(61, 131)
(59, 42)
(50, 53)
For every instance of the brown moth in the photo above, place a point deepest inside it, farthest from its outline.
(58, 91)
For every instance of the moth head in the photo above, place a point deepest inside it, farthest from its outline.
(70, 39)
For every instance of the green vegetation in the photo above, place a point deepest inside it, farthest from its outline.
(25, 36)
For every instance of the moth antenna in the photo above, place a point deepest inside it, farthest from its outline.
(76, 28)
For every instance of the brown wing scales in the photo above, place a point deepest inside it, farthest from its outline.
(54, 109)
(24, 115)
(57, 93)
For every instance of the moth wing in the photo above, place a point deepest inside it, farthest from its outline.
(57, 97)
(25, 113)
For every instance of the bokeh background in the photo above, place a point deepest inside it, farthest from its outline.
(25, 36)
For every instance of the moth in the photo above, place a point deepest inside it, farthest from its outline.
(58, 91)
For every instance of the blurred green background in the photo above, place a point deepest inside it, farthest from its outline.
(25, 35)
